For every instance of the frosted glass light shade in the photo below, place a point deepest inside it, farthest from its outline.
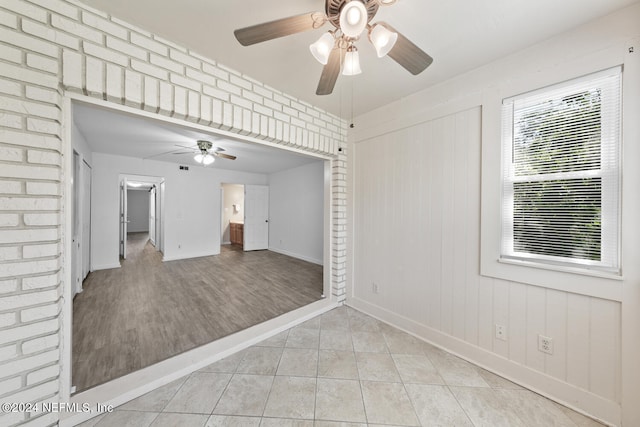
(208, 159)
(205, 159)
(322, 48)
(382, 39)
(353, 18)
(352, 63)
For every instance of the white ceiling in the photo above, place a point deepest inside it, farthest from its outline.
(114, 132)
(459, 34)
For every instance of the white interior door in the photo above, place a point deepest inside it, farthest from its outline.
(152, 215)
(256, 217)
(86, 220)
(124, 219)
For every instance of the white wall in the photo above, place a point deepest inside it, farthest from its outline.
(192, 206)
(79, 144)
(296, 209)
(425, 195)
(233, 195)
(138, 210)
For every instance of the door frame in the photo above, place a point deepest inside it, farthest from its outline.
(158, 181)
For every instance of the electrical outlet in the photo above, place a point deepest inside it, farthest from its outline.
(374, 287)
(545, 344)
(501, 332)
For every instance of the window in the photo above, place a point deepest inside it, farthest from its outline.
(561, 173)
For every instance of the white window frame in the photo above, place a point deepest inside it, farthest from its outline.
(609, 174)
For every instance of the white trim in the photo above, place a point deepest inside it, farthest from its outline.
(327, 277)
(491, 178)
(190, 125)
(66, 312)
(131, 386)
(548, 89)
(609, 81)
(190, 255)
(603, 410)
(105, 266)
(297, 256)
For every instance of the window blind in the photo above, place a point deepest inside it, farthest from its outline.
(561, 173)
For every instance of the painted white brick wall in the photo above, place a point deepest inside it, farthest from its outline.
(52, 46)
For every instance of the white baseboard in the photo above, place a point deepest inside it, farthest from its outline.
(580, 400)
(129, 387)
(189, 255)
(104, 267)
(298, 256)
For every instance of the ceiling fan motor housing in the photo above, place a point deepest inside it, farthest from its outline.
(204, 145)
(334, 7)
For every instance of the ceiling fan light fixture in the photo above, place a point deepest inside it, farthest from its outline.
(198, 157)
(353, 18)
(321, 49)
(208, 159)
(382, 39)
(351, 62)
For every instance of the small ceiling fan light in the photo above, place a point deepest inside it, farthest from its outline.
(321, 49)
(387, 2)
(208, 159)
(352, 62)
(382, 39)
(353, 18)
(198, 157)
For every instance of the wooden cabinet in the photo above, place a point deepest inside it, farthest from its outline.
(237, 233)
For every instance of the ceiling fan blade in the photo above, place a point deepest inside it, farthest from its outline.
(330, 72)
(224, 156)
(275, 29)
(164, 153)
(184, 152)
(407, 54)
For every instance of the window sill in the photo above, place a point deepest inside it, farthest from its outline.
(564, 268)
(591, 283)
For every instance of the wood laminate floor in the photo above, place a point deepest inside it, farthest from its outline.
(149, 310)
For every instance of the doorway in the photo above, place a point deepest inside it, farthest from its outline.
(245, 216)
(232, 202)
(140, 213)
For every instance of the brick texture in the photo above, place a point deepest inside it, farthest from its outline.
(53, 47)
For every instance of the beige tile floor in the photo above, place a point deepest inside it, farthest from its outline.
(341, 369)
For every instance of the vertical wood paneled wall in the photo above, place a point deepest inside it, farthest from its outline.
(417, 239)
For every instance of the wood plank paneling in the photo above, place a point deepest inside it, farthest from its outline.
(578, 334)
(604, 349)
(417, 235)
(500, 315)
(518, 322)
(447, 129)
(459, 215)
(536, 321)
(556, 327)
(485, 313)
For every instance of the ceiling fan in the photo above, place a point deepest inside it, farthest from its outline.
(336, 49)
(207, 152)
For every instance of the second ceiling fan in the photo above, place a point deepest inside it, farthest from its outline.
(336, 49)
